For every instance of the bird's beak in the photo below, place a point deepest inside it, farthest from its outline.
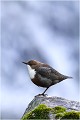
(24, 62)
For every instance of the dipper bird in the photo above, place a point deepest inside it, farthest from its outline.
(43, 75)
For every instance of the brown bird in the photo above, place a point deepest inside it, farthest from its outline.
(43, 75)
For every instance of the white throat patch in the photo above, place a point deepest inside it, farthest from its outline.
(31, 71)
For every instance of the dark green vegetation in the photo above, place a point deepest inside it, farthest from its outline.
(58, 109)
(40, 112)
(72, 115)
(43, 112)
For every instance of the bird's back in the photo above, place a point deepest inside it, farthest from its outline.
(47, 73)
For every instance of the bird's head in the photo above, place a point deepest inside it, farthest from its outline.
(32, 63)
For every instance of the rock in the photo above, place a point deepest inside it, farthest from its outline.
(51, 105)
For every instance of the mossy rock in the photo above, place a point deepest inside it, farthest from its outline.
(72, 115)
(58, 112)
(59, 115)
(58, 109)
(40, 112)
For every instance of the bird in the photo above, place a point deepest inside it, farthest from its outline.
(43, 75)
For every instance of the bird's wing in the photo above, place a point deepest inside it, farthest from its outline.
(47, 72)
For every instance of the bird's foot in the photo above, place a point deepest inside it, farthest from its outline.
(41, 95)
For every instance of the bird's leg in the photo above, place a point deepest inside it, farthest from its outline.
(44, 91)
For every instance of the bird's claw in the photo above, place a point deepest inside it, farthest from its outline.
(41, 95)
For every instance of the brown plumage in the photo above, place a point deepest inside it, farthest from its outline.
(44, 75)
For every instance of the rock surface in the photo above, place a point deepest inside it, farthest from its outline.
(53, 102)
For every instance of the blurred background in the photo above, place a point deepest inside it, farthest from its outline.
(44, 31)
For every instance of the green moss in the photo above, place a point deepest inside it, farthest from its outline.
(58, 115)
(40, 112)
(72, 115)
(58, 109)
